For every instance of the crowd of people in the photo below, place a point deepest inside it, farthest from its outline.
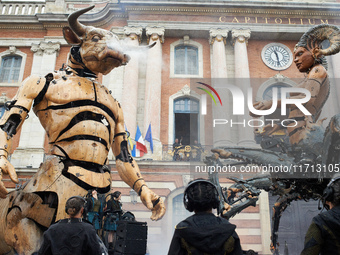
(201, 233)
(97, 217)
(182, 153)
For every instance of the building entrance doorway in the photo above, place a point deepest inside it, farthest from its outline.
(186, 111)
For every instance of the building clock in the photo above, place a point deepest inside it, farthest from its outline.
(277, 56)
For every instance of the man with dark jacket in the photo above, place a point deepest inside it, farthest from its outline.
(71, 236)
(203, 232)
(323, 235)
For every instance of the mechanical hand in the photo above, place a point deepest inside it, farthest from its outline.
(261, 105)
(153, 202)
(6, 168)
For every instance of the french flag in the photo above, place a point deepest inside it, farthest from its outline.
(139, 148)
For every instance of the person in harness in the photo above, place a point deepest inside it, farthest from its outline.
(94, 210)
(113, 212)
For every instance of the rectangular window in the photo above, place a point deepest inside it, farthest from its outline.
(10, 69)
(186, 60)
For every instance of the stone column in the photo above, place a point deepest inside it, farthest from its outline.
(242, 77)
(331, 106)
(30, 152)
(218, 38)
(152, 107)
(130, 86)
(336, 74)
(221, 134)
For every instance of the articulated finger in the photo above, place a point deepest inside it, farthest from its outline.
(3, 190)
(147, 202)
(12, 173)
(158, 210)
(159, 213)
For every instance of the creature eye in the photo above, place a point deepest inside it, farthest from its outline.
(95, 38)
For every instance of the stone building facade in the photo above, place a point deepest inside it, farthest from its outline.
(194, 40)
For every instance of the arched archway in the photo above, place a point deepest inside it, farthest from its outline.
(186, 114)
(185, 92)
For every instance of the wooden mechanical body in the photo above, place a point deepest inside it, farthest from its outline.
(83, 122)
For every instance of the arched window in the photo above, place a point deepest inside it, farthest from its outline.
(186, 111)
(186, 60)
(10, 69)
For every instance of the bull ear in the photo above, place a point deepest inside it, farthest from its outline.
(71, 37)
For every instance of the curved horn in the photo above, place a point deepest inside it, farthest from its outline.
(333, 35)
(78, 28)
(316, 35)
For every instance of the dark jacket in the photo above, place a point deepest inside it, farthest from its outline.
(70, 237)
(113, 206)
(323, 235)
(205, 233)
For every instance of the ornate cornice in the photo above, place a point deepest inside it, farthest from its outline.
(241, 35)
(154, 33)
(218, 34)
(12, 49)
(48, 48)
(3, 98)
(303, 9)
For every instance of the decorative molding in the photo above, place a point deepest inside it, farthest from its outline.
(241, 35)
(12, 49)
(48, 48)
(185, 91)
(256, 8)
(155, 33)
(218, 34)
(133, 32)
(35, 48)
(276, 79)
(279, 77)
(186, 179)
(186, 40)
(3, 99)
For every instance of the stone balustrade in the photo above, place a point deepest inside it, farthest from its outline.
(22, 8)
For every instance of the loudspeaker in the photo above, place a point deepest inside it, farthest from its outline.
(131, 238)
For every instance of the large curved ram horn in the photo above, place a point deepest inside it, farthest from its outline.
(78, 28)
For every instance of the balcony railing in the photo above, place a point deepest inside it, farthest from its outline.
(19, 8)
(185, 152)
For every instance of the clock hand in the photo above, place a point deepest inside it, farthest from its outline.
(277, 57)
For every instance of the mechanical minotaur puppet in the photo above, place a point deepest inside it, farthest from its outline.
(82, 121)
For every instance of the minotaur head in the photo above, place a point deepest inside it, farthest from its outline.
(95, 49)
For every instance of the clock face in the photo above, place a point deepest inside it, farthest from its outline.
(277, 56)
